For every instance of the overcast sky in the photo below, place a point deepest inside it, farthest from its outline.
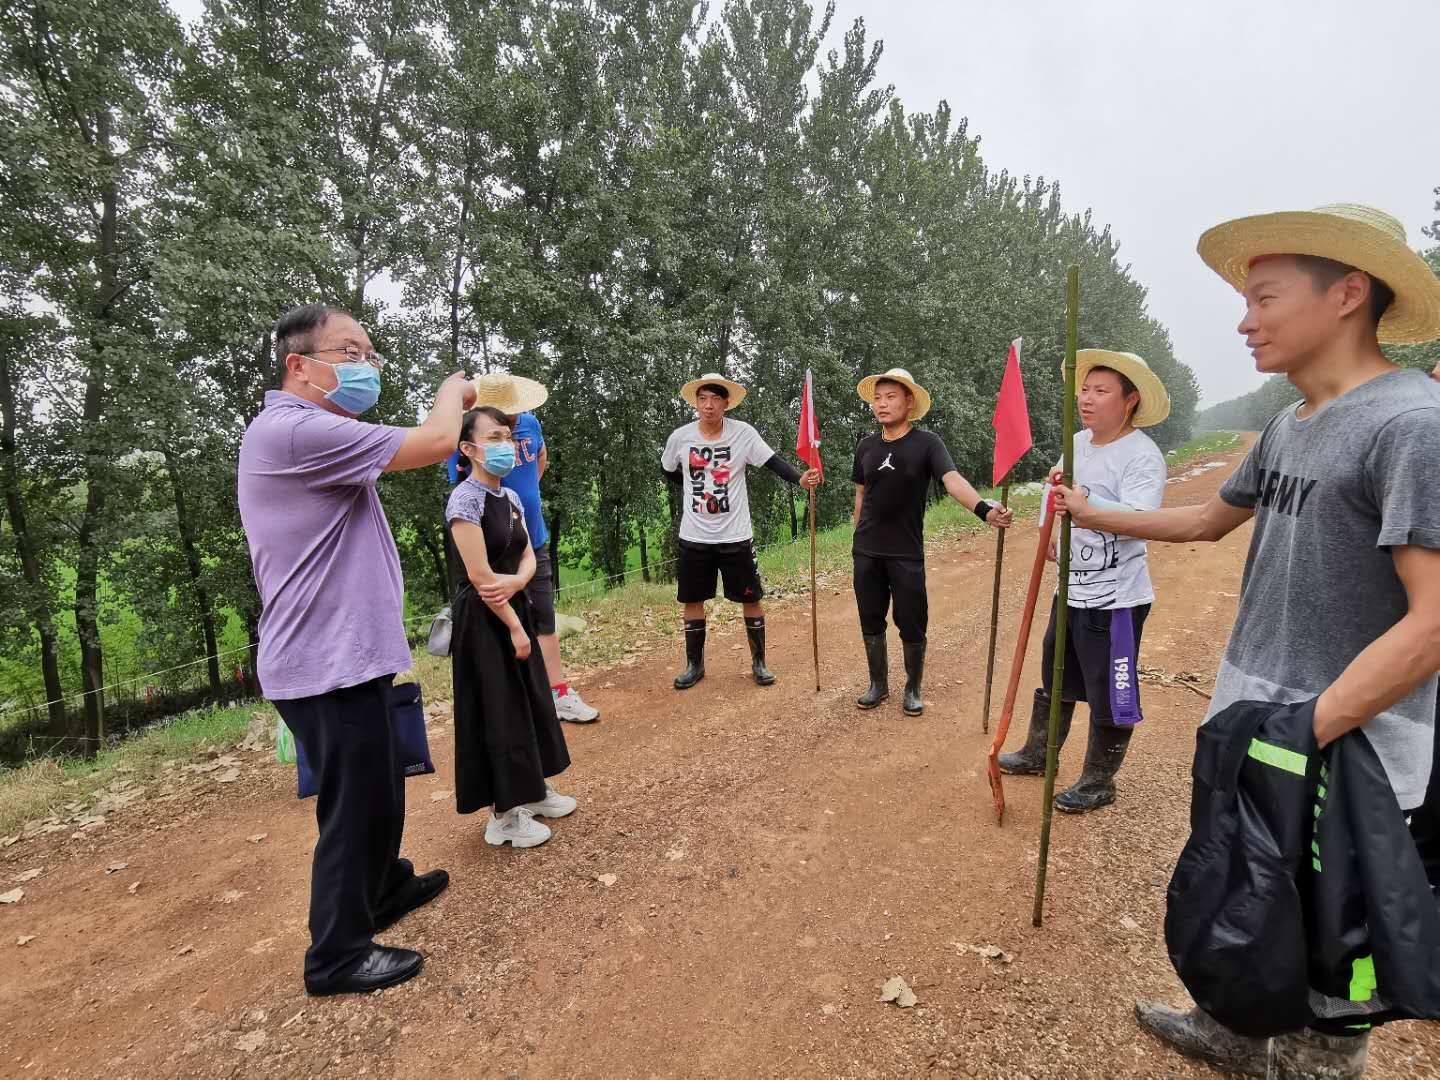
(1167, 118)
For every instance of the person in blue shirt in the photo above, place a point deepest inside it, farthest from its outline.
(518, 398)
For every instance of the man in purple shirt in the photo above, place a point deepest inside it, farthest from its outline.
(331, 634)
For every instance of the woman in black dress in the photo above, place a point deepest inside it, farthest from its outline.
(507, 737)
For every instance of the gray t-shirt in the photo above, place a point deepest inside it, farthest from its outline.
(1332, 493)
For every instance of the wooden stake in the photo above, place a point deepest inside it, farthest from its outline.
(1062, 596)
(995, 610)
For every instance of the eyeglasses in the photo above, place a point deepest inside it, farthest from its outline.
(355, 356)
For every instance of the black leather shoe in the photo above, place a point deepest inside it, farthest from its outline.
(381, 967)
(418, 892)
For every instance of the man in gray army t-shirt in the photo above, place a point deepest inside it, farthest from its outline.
(1340, 599)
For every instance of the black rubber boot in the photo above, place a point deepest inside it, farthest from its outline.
(694, 655)
(879, 661)
(755, 631)
(1310, 1055)
(914, 673)
(1197, 1034)
(1029, 760)
(1096, 786)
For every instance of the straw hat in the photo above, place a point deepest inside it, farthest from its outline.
(866, 389)
(1154, 398)
(691, 388)
(1358, 236)
(511, 394)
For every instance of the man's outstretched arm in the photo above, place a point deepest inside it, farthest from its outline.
(1212, 520)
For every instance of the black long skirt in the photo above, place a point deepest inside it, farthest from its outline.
(507, 736)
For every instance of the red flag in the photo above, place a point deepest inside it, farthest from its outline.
(1012, 419)
(807, 442)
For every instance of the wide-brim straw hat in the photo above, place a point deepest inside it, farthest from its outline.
(1359, 236)
(866, 389)
(1154, 404)
(511, 394)
(737, 392)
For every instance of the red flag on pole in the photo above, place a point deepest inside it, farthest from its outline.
(1012, 418)
(807, 442)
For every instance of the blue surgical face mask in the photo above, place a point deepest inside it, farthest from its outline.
(499, 458)
(358, 388)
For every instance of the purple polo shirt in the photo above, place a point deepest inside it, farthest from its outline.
(325, 562)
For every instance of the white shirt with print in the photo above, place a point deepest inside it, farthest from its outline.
(712, 479)
(1108, 570)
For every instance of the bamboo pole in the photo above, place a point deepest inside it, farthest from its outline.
(814, 616)
(1062, 595)
(995, 611)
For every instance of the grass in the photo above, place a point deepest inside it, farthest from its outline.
(45, 785)
(1212, 442)
(618, 623)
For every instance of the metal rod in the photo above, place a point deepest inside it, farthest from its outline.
(995, 610)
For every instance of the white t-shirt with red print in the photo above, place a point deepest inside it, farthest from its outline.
(716, 507)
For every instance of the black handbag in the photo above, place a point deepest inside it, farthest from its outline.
(412, 744)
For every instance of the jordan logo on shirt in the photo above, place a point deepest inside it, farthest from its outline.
(886, 463)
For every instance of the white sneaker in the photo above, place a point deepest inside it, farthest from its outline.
(553, 805)
(516, 827)
(570, 707)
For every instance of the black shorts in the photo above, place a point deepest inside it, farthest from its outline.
(1101, 668)
(697, 565)
(541, 593)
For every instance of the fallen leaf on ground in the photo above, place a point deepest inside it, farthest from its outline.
(229, 776)
(1127, 923)
(439, 796)
(29, 875)
(251, 1041)
(12, 897)
(898, 991)
(257, 837)
(115, 867)
(184, 950)
(989, 952)
(134, 888)
(229, 896)
(606, 879)
(25, 939)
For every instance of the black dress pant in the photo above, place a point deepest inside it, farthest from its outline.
(350, 743)
(878, 582)
(1425, 822)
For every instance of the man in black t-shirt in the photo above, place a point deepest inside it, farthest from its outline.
(893, 469)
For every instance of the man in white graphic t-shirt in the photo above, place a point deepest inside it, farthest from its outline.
(1110, 594)
(708, 459)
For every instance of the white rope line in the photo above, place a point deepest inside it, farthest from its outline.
(606, 582)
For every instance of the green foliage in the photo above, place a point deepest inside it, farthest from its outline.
(611, 196)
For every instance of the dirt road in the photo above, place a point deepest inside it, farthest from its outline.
(746, 869)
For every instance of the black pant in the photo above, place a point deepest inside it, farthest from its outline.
(1425, 822)
(878, 581)
(1088, 659)
(350, 743)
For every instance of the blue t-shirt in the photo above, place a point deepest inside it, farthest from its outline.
(524, 479)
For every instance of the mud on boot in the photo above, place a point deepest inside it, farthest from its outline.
(1029, 760)
(878, 660)
(1096, 786)
(1197, 1034)
(755, 631)
(694, 655)
(1312, 1055)
(914, 674)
